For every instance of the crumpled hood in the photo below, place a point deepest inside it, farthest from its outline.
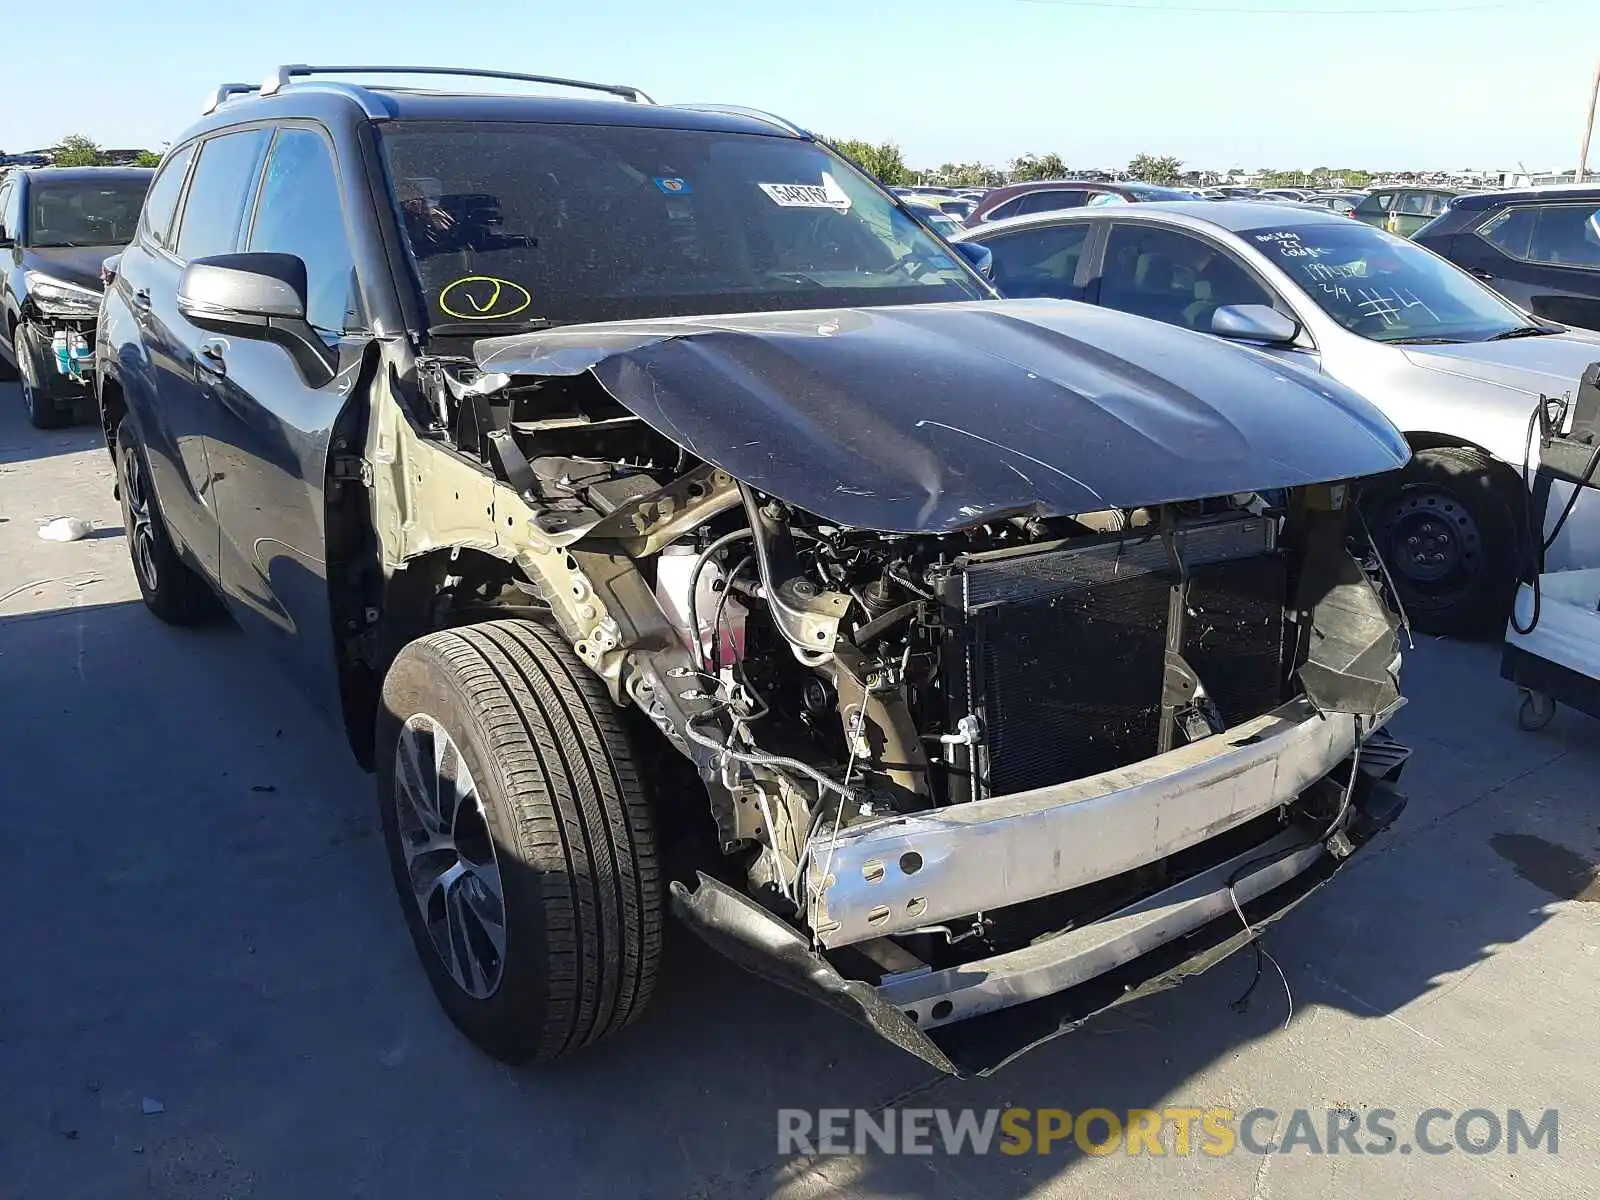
(70, 264)
(925, 418)
(1551, 364)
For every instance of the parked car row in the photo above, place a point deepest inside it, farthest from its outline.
(56, 227)
(1457, 367)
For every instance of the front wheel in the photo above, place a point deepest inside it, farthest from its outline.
(44, 412)
(1449, 528)
(520, 839)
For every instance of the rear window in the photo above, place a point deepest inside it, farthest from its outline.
(518, 223)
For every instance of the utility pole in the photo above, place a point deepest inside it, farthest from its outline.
(1588, 128)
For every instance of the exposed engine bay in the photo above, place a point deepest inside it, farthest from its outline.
(855, 698)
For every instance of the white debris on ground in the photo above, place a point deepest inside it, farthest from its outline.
(65, 529)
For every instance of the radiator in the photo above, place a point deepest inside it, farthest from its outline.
(1060, 650)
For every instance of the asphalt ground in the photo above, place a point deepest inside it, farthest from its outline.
(199, 920)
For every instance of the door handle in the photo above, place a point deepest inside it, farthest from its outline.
(141, 299)
(210, 356)
(1480, 273)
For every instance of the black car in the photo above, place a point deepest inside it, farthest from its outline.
(569, 450)
(57, 226)
(1537, 247)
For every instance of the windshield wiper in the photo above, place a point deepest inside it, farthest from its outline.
(477, 329)
(1522, 331)
(1424, 341)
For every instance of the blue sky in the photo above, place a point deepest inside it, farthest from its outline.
(950, 80)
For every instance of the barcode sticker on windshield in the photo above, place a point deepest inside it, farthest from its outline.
(827, 194)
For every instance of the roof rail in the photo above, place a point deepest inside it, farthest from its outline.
(739, 110)
(283, 76)
(221, 93)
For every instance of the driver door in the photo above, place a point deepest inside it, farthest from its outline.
(1173, 276)
(269, 428)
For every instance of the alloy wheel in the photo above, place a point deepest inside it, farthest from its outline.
(450, 856)
(140, 522)
(29, 386)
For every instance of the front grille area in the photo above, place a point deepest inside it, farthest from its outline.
(1071, 685)
(1061, 651)
(1233, 634)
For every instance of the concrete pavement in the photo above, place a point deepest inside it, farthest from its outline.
(199, 914)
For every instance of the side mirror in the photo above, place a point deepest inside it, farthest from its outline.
(257, 296)
(6, 240)
(981, 258)
(108, 272)
(1254, 323)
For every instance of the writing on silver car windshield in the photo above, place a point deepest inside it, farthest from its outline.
(1383, 287)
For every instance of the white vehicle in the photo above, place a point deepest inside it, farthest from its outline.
(1457, 367)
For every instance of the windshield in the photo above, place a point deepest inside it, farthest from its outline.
(525, 224)
(84, 212)
(1384, 287)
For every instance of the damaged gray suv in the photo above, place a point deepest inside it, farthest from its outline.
(671, 520)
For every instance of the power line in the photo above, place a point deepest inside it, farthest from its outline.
(1290, 12)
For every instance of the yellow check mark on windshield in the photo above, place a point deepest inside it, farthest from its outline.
(503, 299)
(494, 298)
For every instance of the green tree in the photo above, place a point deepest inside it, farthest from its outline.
(973, 174)
(75, 150)
(147, 158)
(883, 162)
(1149, 168)
(1041, 166)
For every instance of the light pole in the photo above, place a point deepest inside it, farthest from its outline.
(1588, 128)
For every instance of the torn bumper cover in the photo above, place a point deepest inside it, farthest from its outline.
(1020, 1000)
(902, 872)
(975, 1017)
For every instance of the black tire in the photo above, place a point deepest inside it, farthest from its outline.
(44, 410)
(1450, 529)
(569, 823)
(170, 587)
(7, 371)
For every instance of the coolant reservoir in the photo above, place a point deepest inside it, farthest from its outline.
(673, 569)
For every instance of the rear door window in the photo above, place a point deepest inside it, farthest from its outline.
(1040, 262)
(162, 200)
(1567, 235)
(1037, 202)
(1510, 229)
(1010, 208)
(1437, 203)
(1415, 204)
(223, 180)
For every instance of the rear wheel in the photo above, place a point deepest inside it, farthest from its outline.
(170, 587)
(1449, 529)
(520, 839)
